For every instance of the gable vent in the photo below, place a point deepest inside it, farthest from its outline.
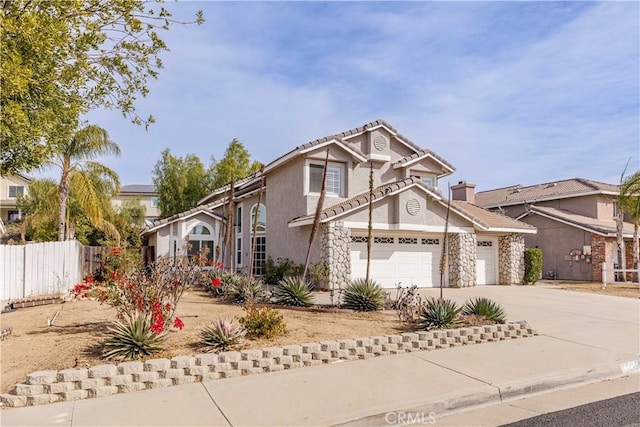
(380, 142)
(413, 207)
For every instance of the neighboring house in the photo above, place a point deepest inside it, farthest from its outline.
(11, 187)
(575, 222)
(147, 195)
(409, 215)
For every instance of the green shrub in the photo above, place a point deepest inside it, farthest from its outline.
(223, 335)
(132, 339)
(243, 290)
(274, 272)
(439, 314)
(363, 295)
(486, 308)
(263, 322)
(532, 265)
(294, 292)
(318, 273)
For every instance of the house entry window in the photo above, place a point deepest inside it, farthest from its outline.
(260, 252)
(201, 240)
(335, 176)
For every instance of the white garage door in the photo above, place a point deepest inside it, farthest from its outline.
(398, 259)
(486, 261)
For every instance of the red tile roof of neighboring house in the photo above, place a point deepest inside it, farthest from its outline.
(518, 194)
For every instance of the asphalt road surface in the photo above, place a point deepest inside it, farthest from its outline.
(616, 412)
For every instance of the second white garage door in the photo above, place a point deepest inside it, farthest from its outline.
(486, 262)
(398, 259)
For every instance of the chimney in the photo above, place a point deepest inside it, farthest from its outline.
(464, 192)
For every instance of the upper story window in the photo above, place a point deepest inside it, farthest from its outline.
(615, 210)
(239, 218)
(429, 180)
(334, 184)
(15, 191)
(261, 216)
(154, 202)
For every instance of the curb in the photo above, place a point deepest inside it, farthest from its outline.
(428, 412)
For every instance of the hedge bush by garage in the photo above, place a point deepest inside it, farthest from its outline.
(532, 265)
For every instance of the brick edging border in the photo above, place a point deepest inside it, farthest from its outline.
(44, 387)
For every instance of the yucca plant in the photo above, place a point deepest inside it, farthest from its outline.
(244, 290)
(132, 339)
(293, 291)
(223, 335)
(486, 308)
(439, 314)
(364, 295)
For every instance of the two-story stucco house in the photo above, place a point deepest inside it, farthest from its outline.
(576, 224)
(146, 194)
(408, 212)
(11, 187)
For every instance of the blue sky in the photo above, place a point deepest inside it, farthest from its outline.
(508, 92)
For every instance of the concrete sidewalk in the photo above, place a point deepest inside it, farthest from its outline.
(583, 338)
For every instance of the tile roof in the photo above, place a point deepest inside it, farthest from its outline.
(489, 220)
(602, 227)
(482, 217)
(518, 194)
(161, 222)
(138, 188)
(422, 153)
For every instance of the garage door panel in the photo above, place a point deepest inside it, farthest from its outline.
(409, 263)
(486, 262)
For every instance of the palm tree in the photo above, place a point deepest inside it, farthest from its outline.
(78, 173)
(629, 202)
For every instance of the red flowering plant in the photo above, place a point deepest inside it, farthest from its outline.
(153, 291)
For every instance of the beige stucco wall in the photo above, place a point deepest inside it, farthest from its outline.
(151, 212)
(557, 240)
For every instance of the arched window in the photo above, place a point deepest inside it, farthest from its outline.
(201, 239)
(262, 218)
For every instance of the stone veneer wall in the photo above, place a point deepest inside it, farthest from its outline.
(511, 259)
(462, 259)
(73, 384)
(335, 252)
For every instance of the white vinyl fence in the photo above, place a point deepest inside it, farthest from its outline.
(39, 268)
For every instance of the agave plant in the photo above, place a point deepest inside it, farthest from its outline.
(244, 290)
(223, 335)
(486, 308)
(132, 338)
(293, 291)
(439, 314)
(364, 295)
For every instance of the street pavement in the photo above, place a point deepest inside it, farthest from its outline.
(583, 338)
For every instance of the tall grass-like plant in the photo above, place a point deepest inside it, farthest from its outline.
(223, 335)
(293, 291)
(364, 295)
(439, 314)
(132, 339)
(486, 308)
(243, 290)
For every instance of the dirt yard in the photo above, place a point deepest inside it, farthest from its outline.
(74, 340)
(616, 289)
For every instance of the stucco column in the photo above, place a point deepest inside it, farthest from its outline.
(511, 259)
(462, 259)
(335, 252)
